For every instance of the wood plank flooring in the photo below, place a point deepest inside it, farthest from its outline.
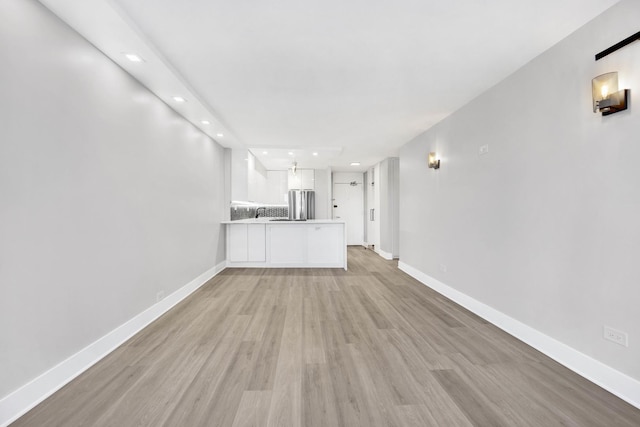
(325, 347)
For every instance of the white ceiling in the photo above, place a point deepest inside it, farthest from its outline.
(354, 80)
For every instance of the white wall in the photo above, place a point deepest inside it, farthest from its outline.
(383, 197)
(376, 207)
(323, 192)
(106, 195)
(388, 185)
(545, 228)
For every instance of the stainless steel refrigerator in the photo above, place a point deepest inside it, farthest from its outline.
(302, 204)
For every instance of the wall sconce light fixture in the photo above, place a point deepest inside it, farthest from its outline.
(606, 97)
(433, 161)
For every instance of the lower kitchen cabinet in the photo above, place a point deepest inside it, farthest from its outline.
(325, 244)
(246, 243)
(256, 244)
(318, 243)
(286, 245)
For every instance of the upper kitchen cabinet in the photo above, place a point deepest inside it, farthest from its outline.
(303, 179)
(236, 165)
(257, 180)
(248, 177)
(250, 181)
(277, 187)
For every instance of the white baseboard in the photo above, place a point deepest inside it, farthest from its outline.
(29, 395)
(621, 385)
(385, 255)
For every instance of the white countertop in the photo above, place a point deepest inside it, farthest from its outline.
(268, 221)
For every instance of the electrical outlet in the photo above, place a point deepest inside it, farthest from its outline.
(443, 268)
(159, 296)
(616, 336)
(484, 149)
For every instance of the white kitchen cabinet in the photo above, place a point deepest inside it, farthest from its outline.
(246, 243)
(237, 243)
(304, 179)
(277, 187)
(286, 245)
(307, 178)
(256, 243)
(266, 244)
(294, 181)
(325, 244)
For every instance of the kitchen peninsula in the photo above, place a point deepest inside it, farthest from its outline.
(268, 243)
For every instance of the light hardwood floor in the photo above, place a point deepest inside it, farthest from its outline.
(325, 347)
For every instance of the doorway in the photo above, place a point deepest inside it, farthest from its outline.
(348, 204)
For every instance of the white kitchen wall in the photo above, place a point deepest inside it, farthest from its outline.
(107, 196)
(545, 227)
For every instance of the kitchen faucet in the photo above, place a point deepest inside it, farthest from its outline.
(258, 211)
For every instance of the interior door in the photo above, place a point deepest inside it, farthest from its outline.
(348, 205)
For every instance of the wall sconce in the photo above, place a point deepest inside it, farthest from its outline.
(606, 97)
(433, 162)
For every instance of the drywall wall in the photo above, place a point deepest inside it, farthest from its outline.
(322, 187)
(107, 196)
(239, 174)
(388, 214)
(382, 197)
(544, 227)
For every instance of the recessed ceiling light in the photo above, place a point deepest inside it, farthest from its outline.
(355, 163)
(219, 135)
(179, 99)
(315, 154)
(133, 57)
(291, 153)
(265, 153)
(205, 122)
